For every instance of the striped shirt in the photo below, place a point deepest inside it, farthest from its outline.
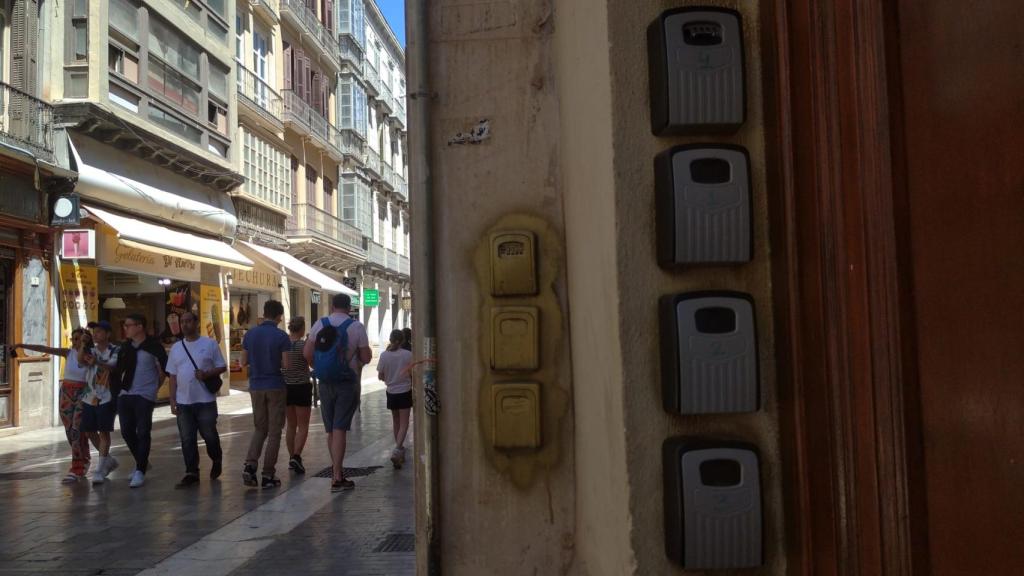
(296, 371)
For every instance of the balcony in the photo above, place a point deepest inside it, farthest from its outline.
(385, 259)
(350, 144)
(372, 80)
(258, 96)
(311, 222)
(302, 118)
(387, 177)
(300, 16)
(351, 53)
(372, 162)
(400, 116)
(266, 9)
(387, 101)
(26, 122)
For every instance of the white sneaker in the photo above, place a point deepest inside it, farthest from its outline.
(138, 479)
(111, 465)
(98, 476)
(397, 457)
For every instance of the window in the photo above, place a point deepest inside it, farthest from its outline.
(219, 81)
(217, 30)
(77, 46)
(124, 62)
(217, 117)
(358, 22)
(310, 185)
(124, 17)
(166, 44)
(267, 171)
(175, 125)
(239, 38)
(175, 87)
(354, 203)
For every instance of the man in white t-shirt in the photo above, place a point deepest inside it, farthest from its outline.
(339, 400)
(192, 360)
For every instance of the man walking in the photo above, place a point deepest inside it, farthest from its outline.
(265, 352)
(99, 404)
(193, 360)
(337, 349)
(140, 369)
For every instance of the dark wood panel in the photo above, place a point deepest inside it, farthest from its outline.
(962, 71)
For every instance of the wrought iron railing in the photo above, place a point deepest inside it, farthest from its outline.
(387, 259)
(387, 100)
(372, 79)
(350, 52)
(26, 122)
(308, 220)
(297, 111)
(269, 6)
(350, 144)
(307, 19)
(387, 175)
(371, 159)
(257, 91)
(403, 265)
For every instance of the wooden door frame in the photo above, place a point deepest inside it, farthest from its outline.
(847, 387)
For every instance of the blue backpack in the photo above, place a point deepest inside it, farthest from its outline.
(329, 361)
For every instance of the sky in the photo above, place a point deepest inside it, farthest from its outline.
(394, 12)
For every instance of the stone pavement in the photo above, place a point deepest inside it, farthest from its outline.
(219, 528)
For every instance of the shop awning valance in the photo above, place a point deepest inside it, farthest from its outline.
(162, 240)
(305, 272)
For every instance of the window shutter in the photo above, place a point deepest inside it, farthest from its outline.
(329, 15)
(307, 77)
(322, 96)
(24, 45)
(315, 84)
(300, 74)
(288, 64)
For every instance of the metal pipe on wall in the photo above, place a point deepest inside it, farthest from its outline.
(427, 444)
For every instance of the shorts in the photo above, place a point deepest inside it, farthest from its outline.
(299, 395)
(98, 418)
(399, 401)
(338, 404)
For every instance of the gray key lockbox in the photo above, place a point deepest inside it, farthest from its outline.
(709, 353)
(703, 205)
(713, 517)
(695, 56)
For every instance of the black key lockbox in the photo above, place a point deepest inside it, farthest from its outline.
(713, 510)
(709, 361)
(704, 205)
(695, 59)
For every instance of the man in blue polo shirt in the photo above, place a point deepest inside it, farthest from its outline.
(265, 352)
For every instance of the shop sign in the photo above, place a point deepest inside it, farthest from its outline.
(80, 295)
(255, 279)
(371, 297)
(210, 315)
(112, 254)
(76, 244)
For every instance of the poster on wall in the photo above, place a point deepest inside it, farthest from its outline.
(80, 297)
(180, 299)
(210, 315)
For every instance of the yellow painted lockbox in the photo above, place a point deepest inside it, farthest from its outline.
(515, 333)
(516, 415)
(513, 263)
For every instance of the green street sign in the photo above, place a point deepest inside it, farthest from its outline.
(371, 298)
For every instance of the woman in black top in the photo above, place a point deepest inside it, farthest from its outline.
(299, 398)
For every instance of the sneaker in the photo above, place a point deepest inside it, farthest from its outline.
(296, 464)
(215, 470)
(397, 458)
(271, 482)
(98, 475)
(343, 484)
(188, 480)
(138, 479)
(72, 478)
(249, 475)
(111, 465)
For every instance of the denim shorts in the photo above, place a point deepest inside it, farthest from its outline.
(338, 404)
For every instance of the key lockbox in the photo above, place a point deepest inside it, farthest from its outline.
(703, 205)
(709, 353)
(713, 518)
(515, 338)
(513, 263)
(695, 56)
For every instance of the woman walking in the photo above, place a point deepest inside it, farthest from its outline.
(98, 402)
(72, 388)
(299, 395)
(393, 368)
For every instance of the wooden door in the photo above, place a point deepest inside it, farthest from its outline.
(961, 75)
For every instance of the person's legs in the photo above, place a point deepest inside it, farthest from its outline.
(394, 425)
(302, 414)
(403, 427)
(188, 426)
(275, 424)
(337, 443)
(144, 422)
(71, 417)
(206, 415)
(128, 417)
(289, 431)
(259, 420)
(104, 441)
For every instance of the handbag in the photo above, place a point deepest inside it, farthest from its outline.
(213, 383)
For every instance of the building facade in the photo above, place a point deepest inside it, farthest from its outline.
(33, 170)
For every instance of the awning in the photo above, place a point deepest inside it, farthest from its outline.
(155, 238)
(304, 271)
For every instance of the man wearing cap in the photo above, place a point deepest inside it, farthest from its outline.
(98, 402)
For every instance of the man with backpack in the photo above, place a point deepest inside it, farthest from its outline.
(337, 349)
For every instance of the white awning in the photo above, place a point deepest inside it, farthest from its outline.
(304, 271)
(162, 240)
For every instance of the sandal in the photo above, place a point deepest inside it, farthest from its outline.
(71, 478)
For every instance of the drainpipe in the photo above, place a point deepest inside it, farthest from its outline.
(421, 199)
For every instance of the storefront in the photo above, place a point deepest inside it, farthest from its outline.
(248, 291)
